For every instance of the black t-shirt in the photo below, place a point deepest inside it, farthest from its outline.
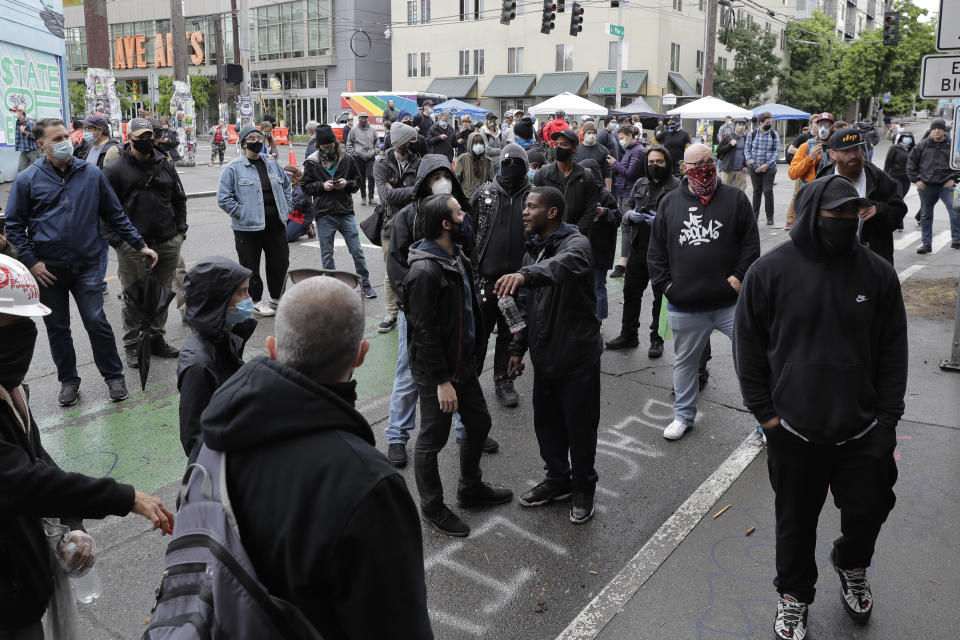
(269, 202)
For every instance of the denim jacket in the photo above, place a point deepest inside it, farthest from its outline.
(240, 195)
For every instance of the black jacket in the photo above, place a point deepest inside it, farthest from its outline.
(603, 232)
(442, 146)
(327, 522)
(387, 171)
(33, 486)
(821, 342)
(151, 194)
(597, 152)
(930, 161)
(338, 202)
(558, 303)
(581, 193)
(437, 323)
(877, 232)
(696, 248)
(645, 197)
(895, 164)
(402, 229)
(500, 236)
(213, 351)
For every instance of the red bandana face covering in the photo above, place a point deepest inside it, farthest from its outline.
(703, 181)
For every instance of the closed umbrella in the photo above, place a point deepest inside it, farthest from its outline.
(145, 299)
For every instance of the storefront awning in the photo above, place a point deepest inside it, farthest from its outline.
(456, 87)
(681, 84)
(512, 85)
(608, 80)
(553, 84)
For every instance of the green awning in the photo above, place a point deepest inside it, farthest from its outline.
(681, 84)
(608, 79)
(456, 87)
(513, 85)
(553, 84)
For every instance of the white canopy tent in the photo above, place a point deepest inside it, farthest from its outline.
(568, 103)
(710, 108)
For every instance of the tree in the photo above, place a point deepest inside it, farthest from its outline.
(200, 89)
(811, 82)
(78, 97)
(755, 65)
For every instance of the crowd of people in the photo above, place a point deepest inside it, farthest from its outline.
(516, 238)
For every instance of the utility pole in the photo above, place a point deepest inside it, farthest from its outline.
(179, 29)
(243, 30)
(236, 32)
(98, 40)
(620, 53)
(710, 47)
(218, 39)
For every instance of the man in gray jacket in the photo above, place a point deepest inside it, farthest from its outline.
(362, 145)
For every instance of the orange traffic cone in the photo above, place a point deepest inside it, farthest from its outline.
(293, 158)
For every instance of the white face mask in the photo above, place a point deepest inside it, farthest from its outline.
(478, 149)
(443, 186)
(823, 133)
(589, 139)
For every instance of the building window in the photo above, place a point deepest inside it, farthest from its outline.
(699, 59)
(515, 59)
(678, 5)
(478, 62)
(721, 64)
(749, 20)
(411, 65)
(424, 11)
(564, 57)
(76, 41)
(783, 40)
(411, 11)
(674, 56)
(319, 28)
(701, 4)
(424, 65)
(463, 68)
(561, 6)
(766, 26)
(471, 9)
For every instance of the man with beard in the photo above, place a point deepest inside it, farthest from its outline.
(879, 220)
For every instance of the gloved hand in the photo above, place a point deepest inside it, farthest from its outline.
(635, 217)
(78, 551)
(648, 217)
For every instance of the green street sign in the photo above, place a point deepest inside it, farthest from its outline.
(623, 84)
(607, 90)
(616, 30)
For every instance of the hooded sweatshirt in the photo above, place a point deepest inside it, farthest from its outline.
(821, 341)
(472, 170)
(213, 351)
(500, 237)
(328, 523)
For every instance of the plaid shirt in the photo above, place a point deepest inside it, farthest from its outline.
(762, 148)
(23, 141)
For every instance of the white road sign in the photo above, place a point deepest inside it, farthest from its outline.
(940, 77)
(948, 26)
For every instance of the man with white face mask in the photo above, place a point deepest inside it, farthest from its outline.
(592, 150)
(810, 157)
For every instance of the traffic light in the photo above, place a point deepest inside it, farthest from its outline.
(891, 28)
(549, 15)
(508, 11)
(576, 19)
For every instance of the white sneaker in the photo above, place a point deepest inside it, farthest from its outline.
(675, 430)
(264, 310)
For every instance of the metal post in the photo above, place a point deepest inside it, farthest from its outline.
(953, 363)
(243, 27)
(710, 47)
(620, 52)
(218, 39)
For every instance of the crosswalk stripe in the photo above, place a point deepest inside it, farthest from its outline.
(337, 242)
(906, 240)
(909, 271)
(941, 240)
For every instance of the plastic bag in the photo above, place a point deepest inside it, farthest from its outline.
(62, 621)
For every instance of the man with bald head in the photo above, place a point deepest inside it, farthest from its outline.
(704, 238)
(327, 522)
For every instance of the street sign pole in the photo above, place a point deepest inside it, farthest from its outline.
(619, 54)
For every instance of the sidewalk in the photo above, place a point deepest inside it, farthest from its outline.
(718, 582)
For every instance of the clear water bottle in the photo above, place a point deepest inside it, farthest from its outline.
(511, 313)
(86, 588)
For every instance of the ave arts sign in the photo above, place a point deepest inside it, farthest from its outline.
(130, 52)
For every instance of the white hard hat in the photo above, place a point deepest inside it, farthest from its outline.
(19, 294)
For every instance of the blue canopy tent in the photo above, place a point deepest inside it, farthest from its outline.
(461, 108)
(781, 112)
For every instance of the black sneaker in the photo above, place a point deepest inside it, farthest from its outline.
(791, 620)
(854, 590)
(387, 325)
(769, 222)
(924, 248)
(656, 348)
(622, 342)
(118, 389)
(483, 497)
(703, 376)
(618, 271)
(132, 355)
(489, 445)
(160, 348)
(397, 454)
(546, 492)
(582, 508)
(506, 394)
(447, 522)
(69, 393)
(955, 245)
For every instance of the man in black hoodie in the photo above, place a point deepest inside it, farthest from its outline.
(153, 198)
(557, 301)
(821, 352)
(499, 249)
(328, 524)
(704, 238)
(447, 345)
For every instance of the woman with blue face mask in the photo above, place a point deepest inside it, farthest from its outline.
(219, 312)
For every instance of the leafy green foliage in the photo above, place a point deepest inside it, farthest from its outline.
(756, 66)
(78, 97)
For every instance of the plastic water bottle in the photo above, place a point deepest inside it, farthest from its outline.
(508, 307)
(86, 588)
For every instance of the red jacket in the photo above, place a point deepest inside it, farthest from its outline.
(557, 124)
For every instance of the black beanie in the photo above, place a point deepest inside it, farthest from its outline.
(524, 128)
(324, 135)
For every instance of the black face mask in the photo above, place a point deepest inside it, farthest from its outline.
(16, 351)
(656, 172)
(512, 174)
(143, 146)
(765, 127)
(254, 147)
(457, 233)
(564, 154)
(837, 235)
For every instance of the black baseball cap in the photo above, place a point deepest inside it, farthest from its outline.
(838, 192)
(98, 121)
(847, 138)
(569, 134)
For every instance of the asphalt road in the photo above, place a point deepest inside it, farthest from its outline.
(522, 573)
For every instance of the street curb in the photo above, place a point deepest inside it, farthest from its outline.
(589, 624)
(201, 194)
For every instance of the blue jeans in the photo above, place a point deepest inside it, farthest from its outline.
(327, 227)
(403, 399)
(84, 284)
(296, 230)
(600, 290)
(691, 333)
(928, 200)
(104, 257)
